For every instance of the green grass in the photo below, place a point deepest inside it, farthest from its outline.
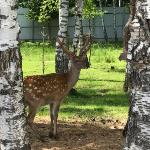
(100, 93)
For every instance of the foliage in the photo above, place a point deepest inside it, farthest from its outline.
(90, 9)
(100, 93)
(40, 10)
(48, 10)
(45, 10)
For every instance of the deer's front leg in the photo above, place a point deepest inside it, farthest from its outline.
(54, 116)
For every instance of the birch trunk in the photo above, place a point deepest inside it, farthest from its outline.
(103, 22)
(78, 33)
(61, 59)
(138, 54)
(114, 20)
(13, 135)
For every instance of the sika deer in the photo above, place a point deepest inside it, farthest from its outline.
(51, 89)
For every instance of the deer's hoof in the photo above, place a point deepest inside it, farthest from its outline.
(43, 139)
(51, 135)
(56, 137)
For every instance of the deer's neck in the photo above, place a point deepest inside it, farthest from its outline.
(73, 76)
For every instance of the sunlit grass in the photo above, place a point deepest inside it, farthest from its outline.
(100, 93)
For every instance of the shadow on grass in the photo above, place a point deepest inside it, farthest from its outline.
(119, 70)
(99, 80)
(101, 98)
(89, 104)
(82, 113)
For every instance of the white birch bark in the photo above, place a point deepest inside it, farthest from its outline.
(138, 54)
(114, 20)
(103, 22)
(13, 135)
(78, 33)
(61, 59)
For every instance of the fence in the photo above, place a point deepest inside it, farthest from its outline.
(108, 27)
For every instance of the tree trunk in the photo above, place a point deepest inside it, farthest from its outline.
(114, 20)
(103, 22)
(13, 135)
(61, 59)
(138, 55)
(78, 33)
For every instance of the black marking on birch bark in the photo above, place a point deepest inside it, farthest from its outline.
(4, 92)
(148, 24)
(3, 16)
(144, 25)
(63, 21)
(17, 116)
(9, 109)
(26, 147)
(64, 4)
(14, 7)
(2, 109)
(132, 129)
(4, 45)
(7, 57)
(8, 91)
(7, 142)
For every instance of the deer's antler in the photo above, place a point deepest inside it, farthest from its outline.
(65, 49)
(86, 46)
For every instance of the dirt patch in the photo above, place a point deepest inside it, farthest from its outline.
(103, 135)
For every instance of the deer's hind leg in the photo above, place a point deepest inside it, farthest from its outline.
(34, 128)
(31, 115)
(52, 121)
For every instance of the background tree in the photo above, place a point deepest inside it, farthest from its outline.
(90, 11)
(78, 32)
(13, 133)
(137, 53)
(41, 11)
(44, 11)
(61, 59)
(103, 21)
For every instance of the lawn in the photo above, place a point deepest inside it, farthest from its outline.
(100, 93)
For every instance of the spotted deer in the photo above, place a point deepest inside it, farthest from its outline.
(52, 88)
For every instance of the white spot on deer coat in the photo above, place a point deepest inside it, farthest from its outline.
(35, 88)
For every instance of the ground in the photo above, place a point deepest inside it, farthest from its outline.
(74, 135)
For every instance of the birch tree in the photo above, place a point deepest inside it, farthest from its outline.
(138, 56)
(103, 21)
(13, 135)
(114, 20)
(78, 33)
(61, 59)
(78, 40)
